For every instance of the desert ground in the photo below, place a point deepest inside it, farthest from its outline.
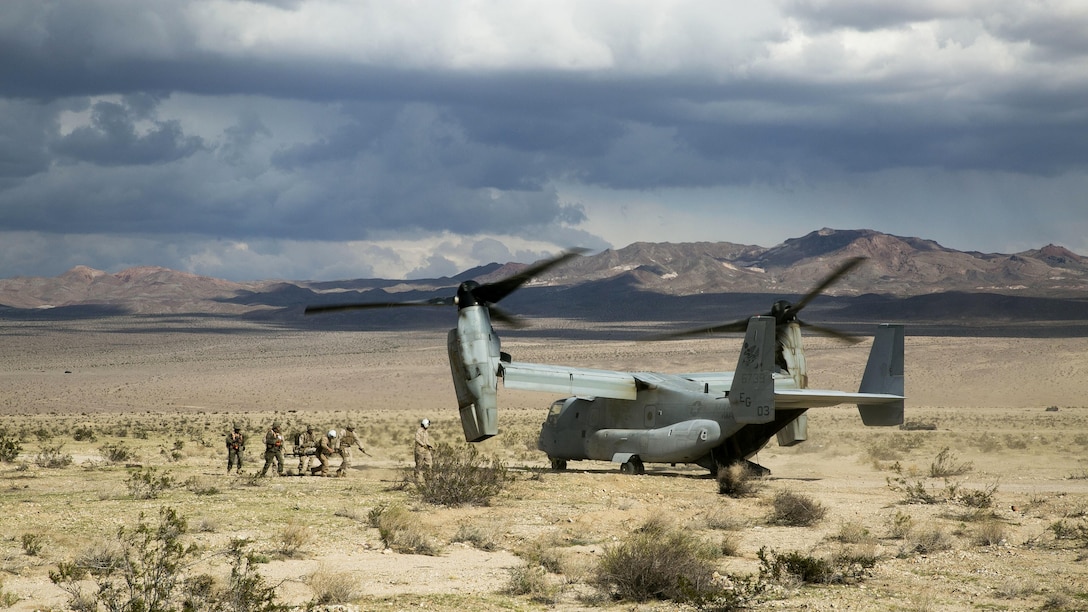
(1012, 412)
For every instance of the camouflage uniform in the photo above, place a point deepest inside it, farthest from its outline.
(424, 449)
(324, 451)
(273, 450)
(347, 441)
(236, 443)
(306, 447)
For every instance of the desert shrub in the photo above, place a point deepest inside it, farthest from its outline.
(977, 498)
(480, 537)
(738, 480)
(729, 545)
(847, 566)
(946, 465)
(201, 486)
(926, 540)
(7, 600)
(292, 537)
(776, 566)
(333, 587)
(658, 561)
(532, 581)
(1076, 531)
(116, 452)
(400, 531)
(10, 447)
(901, 525)
(148, 483)
(918, 425)
(461, 476)
(795, 510)
(246, 589)
(52, 456)
(854, 533)
(32, 543)
(989, 533)
(139, 576)
(84, 433)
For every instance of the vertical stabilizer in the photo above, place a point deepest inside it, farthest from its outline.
(751, 396)
(884, 374)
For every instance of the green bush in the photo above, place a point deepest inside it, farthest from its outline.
(658, 561)
(52, 456)
(461, 476)
(115, 452)
(10, 447)
(148, 483)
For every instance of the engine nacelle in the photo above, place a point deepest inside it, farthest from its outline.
(474, 361)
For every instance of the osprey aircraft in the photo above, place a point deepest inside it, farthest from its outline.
(711, 419)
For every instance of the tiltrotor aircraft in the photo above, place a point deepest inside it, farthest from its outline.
(711, 419)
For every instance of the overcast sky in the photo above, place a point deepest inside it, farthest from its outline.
(326, 139)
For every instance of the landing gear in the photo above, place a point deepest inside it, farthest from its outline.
(558, 465)
(633, 466)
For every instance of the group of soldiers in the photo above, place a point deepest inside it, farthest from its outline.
(309, 447)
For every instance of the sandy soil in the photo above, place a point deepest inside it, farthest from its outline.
(170, 389)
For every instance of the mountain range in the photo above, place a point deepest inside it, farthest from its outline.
(903, 279)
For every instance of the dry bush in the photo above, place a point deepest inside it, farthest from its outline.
(331, 587)
(658, 561)
(795, 510)
(926, 540)
(482, 537)
(401, 532)
(946, 465)
(738, 480)
(292, 537)
(854, 533)
(990, 532)
(532, 581)
(147, 483)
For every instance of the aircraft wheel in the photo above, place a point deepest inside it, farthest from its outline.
(627, 468)
(639, 467)
(558, 465)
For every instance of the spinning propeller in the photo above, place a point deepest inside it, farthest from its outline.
(783, 312)
(469, 293)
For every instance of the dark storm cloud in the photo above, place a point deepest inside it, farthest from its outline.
(266, 122)
(112, 139)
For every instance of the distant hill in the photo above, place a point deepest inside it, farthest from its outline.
(903, 279)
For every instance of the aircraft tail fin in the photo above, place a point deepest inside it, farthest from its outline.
(751, 395)
(884, 374)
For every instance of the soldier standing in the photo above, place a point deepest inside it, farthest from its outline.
(347, 441)
(236, 443)
(273, 449)
(424, 450)
(324, 451)
(306, 447)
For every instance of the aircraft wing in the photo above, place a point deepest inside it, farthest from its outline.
(821, 398)
(568, 380)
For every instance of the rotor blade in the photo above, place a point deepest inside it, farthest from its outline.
(725, 328)
(828, 280)
(439, 301)
(834, 333)
(494, 292)
(498, 314)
